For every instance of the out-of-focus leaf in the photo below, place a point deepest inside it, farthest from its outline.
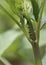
(43, 50)
(5, 22)
(9, 12)
(42, 37)
(25, 51)
(41, 10)
(7, 38)
(43, 22)
(39, 4)
(11, 50)
(43, 26)
(11, 4)
(20, 48)
(35, 8)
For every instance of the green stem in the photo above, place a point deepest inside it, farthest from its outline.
(39, 20)
(37, 54)
(25, 33)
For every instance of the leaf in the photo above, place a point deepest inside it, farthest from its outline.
(26, 52)
(11, 50)
(19, 48)
(43, 51)
(35, 8)
(41, 10)
(43, 23)
(9, 12)
(43, 26)
(42, 37)
(11, 3)
(7, 38)
(5, 22)
(15, 8)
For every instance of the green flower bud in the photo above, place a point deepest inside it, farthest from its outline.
(24, 6)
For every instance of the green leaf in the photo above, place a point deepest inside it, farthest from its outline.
(7, 38)
(9, 12)
(41, 10)
(5, 22)
(19, 48)
(43, 26)
(35, 8)
(42, 37)
(11, 50)
(43, 50)
(15, 5)
(11, 4)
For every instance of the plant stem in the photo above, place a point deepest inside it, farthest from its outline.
(39, 19)
(37, 54)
